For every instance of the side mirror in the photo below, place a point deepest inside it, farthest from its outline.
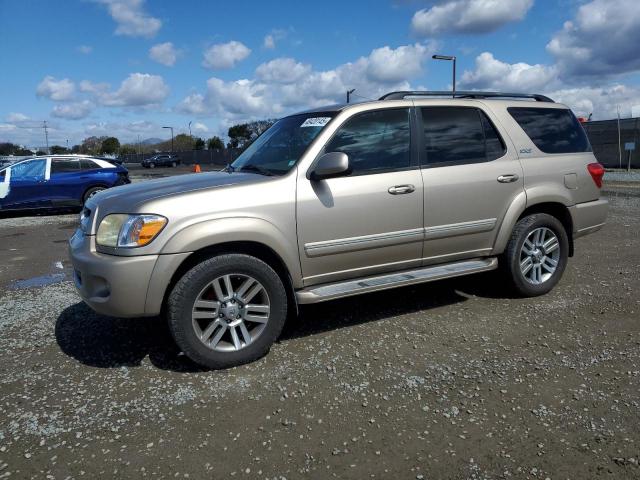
(330, 165)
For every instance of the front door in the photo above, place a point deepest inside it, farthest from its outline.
(471, 175)
(369, 221)
(26, 186)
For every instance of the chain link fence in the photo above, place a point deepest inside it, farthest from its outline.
(191, 157)
(610, 152)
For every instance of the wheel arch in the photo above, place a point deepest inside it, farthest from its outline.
(517, 212)
(255, 249)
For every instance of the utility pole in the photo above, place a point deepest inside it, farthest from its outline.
(190, 129)
(619, 138)
(349, 92)
(67, 144)
(46, 135)
(171, 128)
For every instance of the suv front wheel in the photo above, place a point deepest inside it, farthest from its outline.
(227, 310)
(536, 254)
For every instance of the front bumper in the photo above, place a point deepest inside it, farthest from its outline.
(111, 285)
(588, 217)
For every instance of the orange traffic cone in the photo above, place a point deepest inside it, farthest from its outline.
(196, 168)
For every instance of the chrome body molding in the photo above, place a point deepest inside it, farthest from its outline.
(397, 279)
(462, 228)
(352, 244)
(330, 247)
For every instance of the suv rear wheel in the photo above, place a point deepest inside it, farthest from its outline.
(536, 255)
(227, 310)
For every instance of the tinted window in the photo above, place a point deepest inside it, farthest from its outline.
(64, 165)
(375, 141)
(455, 135)
(552, 130)
(88, 164)
(30, 170)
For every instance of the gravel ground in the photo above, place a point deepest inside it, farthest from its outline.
(444, 380)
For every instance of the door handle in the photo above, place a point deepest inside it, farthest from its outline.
(401, 189)
(512, 177)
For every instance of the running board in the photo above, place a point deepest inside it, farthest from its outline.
(348, 288)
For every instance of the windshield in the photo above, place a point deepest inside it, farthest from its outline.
(278, 149)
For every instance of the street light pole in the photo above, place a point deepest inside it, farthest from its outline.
(349, 92)
(171, 128)
(453, 59)
(190, 129)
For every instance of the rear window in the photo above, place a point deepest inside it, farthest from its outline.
(552, 130)
(88, 164)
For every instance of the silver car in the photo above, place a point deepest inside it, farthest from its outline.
(340, 201)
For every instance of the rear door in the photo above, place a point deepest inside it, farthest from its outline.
(471, 175)
(65, 182)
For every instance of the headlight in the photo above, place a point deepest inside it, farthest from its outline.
(120, 230)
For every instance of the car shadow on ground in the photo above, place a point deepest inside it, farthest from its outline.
(106, 342)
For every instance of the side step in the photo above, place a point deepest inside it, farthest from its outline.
(349, 288)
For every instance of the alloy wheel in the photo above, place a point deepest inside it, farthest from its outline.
(539, 255)
(231, 312)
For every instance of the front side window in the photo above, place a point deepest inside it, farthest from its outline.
(64, 165)
(459, 135)
(552, 130)
(375, 141)
(29, 170)
(280, 147)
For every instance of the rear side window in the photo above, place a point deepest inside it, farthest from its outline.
(552, 130)
(375, 141)
(64, 165)
(88, 165)
(459, 135)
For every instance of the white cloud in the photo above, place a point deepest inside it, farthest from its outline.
(494, 74)
(601, 101)
(200, 127)
(72, 110)
(393, 65)
(468, 16)
(131, 19)
(283, 85)
(57, 90)
(85, 49)
(15, 117)
(602, 40)
(223, 56)
(269, 42)
(282, 70)
(164, 53)
(138, 89)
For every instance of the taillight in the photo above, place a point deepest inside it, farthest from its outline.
(597, 172)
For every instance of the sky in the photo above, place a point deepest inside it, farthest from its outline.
(126, 68)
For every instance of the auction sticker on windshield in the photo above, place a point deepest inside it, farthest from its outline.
(315, 122)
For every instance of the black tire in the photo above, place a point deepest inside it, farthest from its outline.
(185, 292)
(174, 164)
(510, 260)
(152, 165)
(90, 193)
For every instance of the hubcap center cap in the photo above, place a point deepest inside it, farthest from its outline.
(230, 310)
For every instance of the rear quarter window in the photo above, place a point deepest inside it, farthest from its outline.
(552, 130)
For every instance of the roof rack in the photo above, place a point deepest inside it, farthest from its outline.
(463, 94)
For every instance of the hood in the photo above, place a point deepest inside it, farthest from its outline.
(127, 197)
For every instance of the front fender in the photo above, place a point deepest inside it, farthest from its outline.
(238, 229)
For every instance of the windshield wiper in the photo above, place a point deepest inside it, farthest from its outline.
(254, 168)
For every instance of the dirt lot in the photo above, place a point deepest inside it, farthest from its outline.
(444, 380)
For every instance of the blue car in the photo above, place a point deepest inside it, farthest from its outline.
(56, 181)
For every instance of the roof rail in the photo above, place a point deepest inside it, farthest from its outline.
(463, 94)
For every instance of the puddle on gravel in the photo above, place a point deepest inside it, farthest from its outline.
(41, 281)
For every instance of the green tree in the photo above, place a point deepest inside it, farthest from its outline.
(127, 149)
(198, 144)
(57, 150)
(110, 146)
(241, 135)
(215, 143)
(41, 152)
(92, 145)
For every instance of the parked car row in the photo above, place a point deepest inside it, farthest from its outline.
(57, 181)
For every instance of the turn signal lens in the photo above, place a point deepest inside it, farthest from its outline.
(597, 172)
(129, 231)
